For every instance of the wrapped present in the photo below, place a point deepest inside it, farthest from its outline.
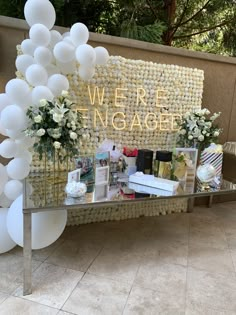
(129, 160)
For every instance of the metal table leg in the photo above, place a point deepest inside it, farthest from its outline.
(27, 251)
(190, 204)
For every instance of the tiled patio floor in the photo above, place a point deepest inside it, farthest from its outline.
(168, 265)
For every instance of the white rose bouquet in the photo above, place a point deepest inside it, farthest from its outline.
(198, 129)
(55, 125)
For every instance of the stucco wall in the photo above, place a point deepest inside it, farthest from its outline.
(220, 72)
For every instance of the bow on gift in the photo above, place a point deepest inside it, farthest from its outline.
(130, 152)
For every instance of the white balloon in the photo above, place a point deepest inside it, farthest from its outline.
(41, 92)
(13, 117)
(18, 91)
(65, 34)
(85, 55)
(64, 52)
(36, 75)
(15, 134)
(52, 69)
(3, 177)
(6, 242)
(68, 40)
(18, 168)
(102, 55)
(55, 38)
(43, 56)
(4, 101)
(41, 12)
(13, 189)
(57, 83)
(2, 130)
(79, 34)
(28, 47)
(46, 226)
(40, 35)
(25, 142)
(86, 73)
(68, 67)
(24, 154)
(23, 62)
(8, 148)
(4, 201)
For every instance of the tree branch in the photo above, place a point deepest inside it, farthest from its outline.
(193, 16)
(203, 31)
(151, 8)
(181, 18)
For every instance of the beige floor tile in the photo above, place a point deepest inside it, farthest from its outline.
(196, 309)
(40, 254)
(210, 259)
(170, 279)
(3, 297)
(52, 285)
(148, 302)
(117, 265)
(76, 255)
(18, 306)
(167, 251)
(214, 291)
(11, 272)
(97, 296)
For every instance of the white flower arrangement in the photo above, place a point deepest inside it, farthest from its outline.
(197, 129)
(56, 125)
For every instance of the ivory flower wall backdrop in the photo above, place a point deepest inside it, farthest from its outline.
(47, 57)
(132, 102)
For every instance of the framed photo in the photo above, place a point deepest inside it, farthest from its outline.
(102, 159)
(86, 166)
(101, 192)
(74, 176)
(192, 154)
(102, 175)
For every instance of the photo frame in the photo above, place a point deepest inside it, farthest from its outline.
(74, 176)
(86, 166)
(102, 159)
(189, 183)
(101, 192)
(102, 175)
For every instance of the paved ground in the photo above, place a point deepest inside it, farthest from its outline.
(169, 265)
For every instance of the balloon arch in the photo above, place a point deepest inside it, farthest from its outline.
(47, 57)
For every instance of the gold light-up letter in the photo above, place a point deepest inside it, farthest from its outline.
(154, 121)
(120, 121)
(97, 113)
(164, 119)
(96, 91)
(174, 126)
(138, 124)
(160, 96)
(141, 93)
(119, 95)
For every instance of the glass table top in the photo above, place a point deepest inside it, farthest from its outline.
(45, 191)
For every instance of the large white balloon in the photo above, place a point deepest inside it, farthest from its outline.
(15, 134)
(18, 91)
(36, 75)
(46, 226)
(56, 37)
(3, 131)
(41, 12)
(41, 92)
(43, 56)
(40, 35)
(86, 73)
(25, 142)
(57, 83)
(13, 117)
(85, 55)
(18, 168)
(4, 201)
(3, 177)
(13, 189)
(4, 101)
(8, 148)
(79, 34)
(64, 52)
(24, 154)
(6, 242)
(23, 62)
(102, 55)
(52, 69)
(28, 47)
(66, 68)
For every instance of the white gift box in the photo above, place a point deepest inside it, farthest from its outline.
(130, 164)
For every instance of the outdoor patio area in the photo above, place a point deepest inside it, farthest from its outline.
(175, 264)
